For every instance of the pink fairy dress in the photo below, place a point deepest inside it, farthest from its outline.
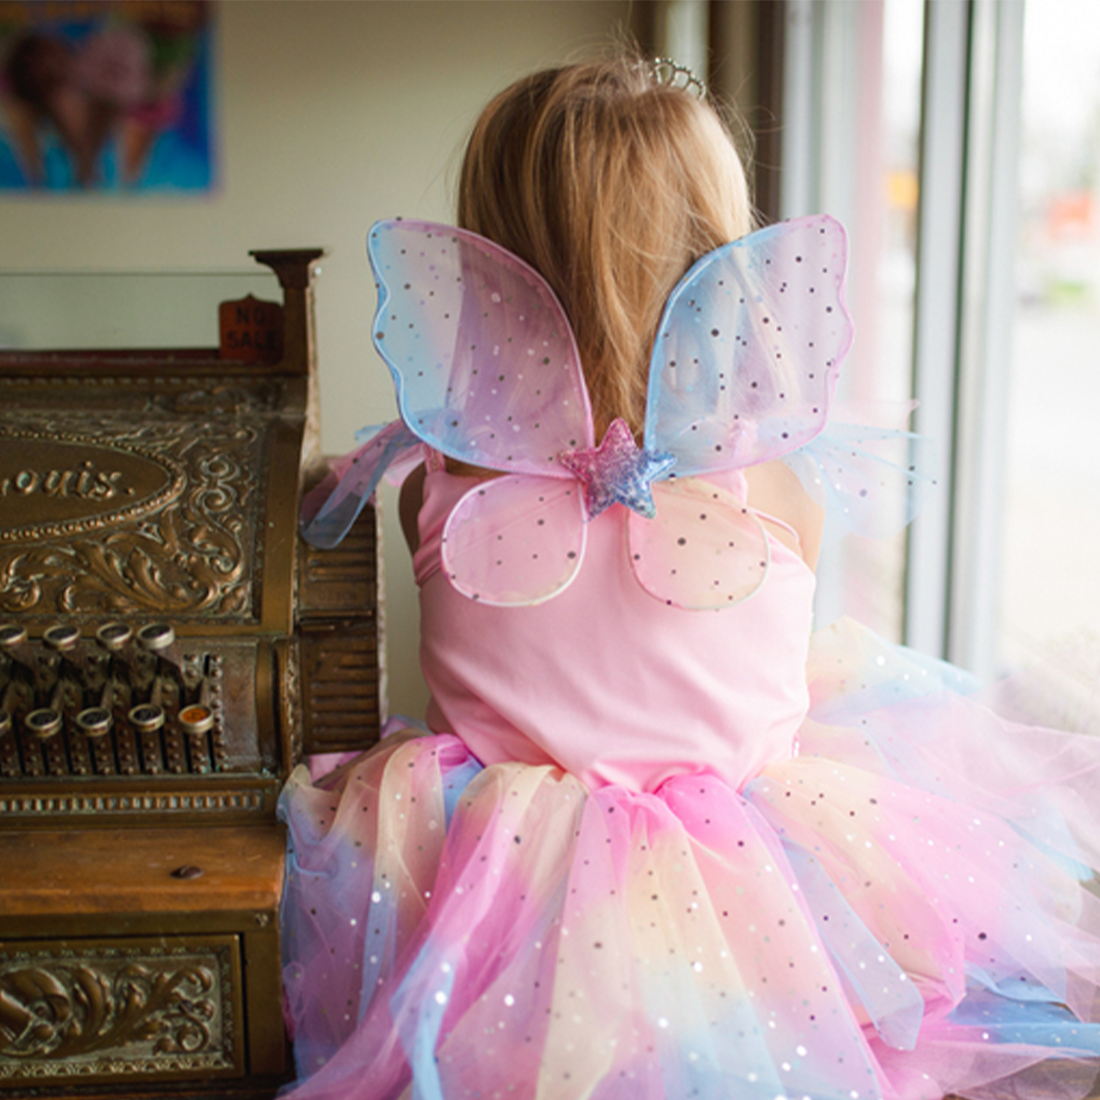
(660, 842)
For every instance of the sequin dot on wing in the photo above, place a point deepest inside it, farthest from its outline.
(618, 471)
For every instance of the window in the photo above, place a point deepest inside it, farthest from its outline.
(1048, 592)
(849, 146)
(964, 156)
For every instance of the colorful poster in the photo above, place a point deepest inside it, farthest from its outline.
(106, 95)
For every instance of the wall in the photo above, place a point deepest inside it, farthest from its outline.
(333, 113)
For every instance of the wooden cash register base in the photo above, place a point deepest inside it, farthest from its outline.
(157, 941)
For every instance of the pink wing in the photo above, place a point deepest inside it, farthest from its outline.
(481, 352)
(515, 540)
(704, 550)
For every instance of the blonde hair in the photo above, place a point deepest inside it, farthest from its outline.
(610, 184)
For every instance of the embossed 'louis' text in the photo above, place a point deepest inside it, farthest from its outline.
(83, 483)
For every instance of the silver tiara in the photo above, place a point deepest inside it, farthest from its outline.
(666, 71)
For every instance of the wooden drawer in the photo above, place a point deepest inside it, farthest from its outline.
(153, 1008)
(121, 975)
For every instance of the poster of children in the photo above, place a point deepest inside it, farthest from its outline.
(106, 95)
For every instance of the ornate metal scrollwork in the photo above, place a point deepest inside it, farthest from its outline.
(78, 1013)
(184, 549)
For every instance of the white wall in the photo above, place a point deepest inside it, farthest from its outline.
(332, 114)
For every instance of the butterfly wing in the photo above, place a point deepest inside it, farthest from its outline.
(870, 480)
(743, 370)
(481, 352)
(515, 540)
(704, 549)
(329, 510)
(746, 358)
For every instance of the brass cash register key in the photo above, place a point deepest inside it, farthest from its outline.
(196, 719)
(156, 636)
(146, 717)
(43, 723)
(114, 636)
(94, 722)
(15, 642)
(62, 637)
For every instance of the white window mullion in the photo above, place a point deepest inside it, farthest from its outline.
(986, 327)
(681, 30)
(821, 93)
(961, 319)
(800, 154)
(937, 312)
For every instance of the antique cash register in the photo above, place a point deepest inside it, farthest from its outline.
(169, 649)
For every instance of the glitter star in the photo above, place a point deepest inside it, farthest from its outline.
(617, 472)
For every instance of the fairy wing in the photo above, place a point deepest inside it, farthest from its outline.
(870, 479)
(483, 360)
(704, 549)
(481, 352)
(515, 540)
(743, 370)
(487, 371)
(746, 358)
(329, 510)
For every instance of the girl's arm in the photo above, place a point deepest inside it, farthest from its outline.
(408, 506)
(775, 490)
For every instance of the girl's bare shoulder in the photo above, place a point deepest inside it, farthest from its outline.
(775, 490)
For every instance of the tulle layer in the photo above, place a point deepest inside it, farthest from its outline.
(895, 912)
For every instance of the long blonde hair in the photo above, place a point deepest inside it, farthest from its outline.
(610, 184)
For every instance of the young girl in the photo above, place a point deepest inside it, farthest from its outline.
(659, 844)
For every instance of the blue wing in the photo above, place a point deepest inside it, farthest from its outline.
(331, 508)
(747, 355)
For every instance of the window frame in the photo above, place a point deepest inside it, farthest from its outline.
(972, 71)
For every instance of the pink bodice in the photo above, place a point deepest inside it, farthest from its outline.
(606, 681)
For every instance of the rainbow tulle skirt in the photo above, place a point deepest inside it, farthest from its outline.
(901, 909)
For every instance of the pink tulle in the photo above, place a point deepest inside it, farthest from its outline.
(812, 935)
